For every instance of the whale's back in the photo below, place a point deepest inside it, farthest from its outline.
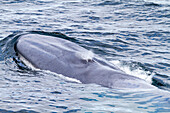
(69, 59)
(52, 53)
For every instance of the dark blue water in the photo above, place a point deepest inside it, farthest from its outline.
(132, 34)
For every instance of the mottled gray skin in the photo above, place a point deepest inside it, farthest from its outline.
(69, 59)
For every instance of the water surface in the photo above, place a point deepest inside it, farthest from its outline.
(132, 34)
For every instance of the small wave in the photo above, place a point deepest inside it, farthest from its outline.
(157, 2)
(94, 18)
(37, 2)
(165, 64)
(12, 1)
(19, 111)
(38, 14)
(110, 3)
(161, 81)
(151, 4)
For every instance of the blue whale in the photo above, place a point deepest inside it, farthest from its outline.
(71, 60)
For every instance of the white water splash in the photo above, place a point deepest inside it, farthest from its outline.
(63, 77)
(139, 72)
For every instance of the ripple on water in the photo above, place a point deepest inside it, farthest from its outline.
(134, 34)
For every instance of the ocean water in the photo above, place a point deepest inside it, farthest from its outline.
(132, 34)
